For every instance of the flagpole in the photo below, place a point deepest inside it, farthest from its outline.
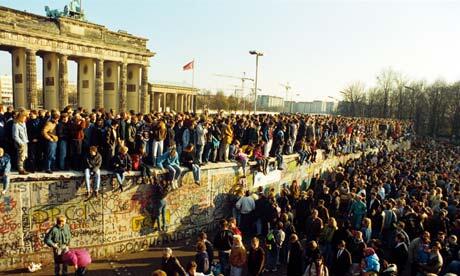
(193, 86)
(193, 74)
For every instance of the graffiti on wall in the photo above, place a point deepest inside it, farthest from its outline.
(117, 221)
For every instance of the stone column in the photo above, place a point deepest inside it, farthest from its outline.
(50, 81)
(86, 87)
(144, 89)
(99, 95)
(175, 102)
(147, 105)
(132, 87)
(31, 72)
(192, 103)
(164, 102)
(185, 103)
(111, 90)
(182, 103)
(18, 63)
(63, 82)
(153, 106)
(123, 86)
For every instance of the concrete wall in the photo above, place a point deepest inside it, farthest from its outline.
(116, 222)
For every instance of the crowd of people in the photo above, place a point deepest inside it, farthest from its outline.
(386, 213)
(41, 140)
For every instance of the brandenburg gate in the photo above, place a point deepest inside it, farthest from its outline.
(112, 66)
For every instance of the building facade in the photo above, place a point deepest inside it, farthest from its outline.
(313, 107)
(168, 97)
(112, 66)
(6, 90)
(270, 103)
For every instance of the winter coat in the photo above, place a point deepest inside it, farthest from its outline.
(223, 240)
(172, 267)
(166, 159)
(20, 133)
(372, 263)
(122, 163)
(256, 261)
(93, 162)
(238, 256)
(202, 261)
(79, 257)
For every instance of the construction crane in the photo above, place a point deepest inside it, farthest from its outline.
(243, 79)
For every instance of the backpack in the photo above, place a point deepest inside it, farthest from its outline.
(270, 240)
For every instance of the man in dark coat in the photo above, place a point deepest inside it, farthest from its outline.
(223, 242)
(400, 253)
(342, 260)
(171, 265)
(256, 258)
(295, 263)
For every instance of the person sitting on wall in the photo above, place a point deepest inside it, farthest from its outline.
(5, 167)
(121, 164)
(262, 161)
(170, 160)
(93, 162)
(303, 150)
(146, 170)
(57, 238)
(188, 160)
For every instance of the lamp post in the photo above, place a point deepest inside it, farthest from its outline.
(292, 101)
(257, 54)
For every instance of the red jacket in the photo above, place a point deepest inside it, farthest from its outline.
(76, 129)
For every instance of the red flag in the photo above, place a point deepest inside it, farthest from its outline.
(188, 66)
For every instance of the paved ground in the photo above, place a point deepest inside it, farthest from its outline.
(134, 264)
(140, 263)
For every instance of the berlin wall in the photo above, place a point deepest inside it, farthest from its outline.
(119, 222)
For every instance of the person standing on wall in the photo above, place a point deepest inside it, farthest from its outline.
(62, 131)
(34, 128)
(159, 135)
(77, 126)
(20, 140)
(58, 237)
(49, 133)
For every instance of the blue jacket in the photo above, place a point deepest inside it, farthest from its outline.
(20, 133)
(165, 159)
(186, 137)
(5, 164)
(372, 264)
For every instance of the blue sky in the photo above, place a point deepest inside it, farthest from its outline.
(317, 46)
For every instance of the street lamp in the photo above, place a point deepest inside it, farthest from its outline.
(257, 54)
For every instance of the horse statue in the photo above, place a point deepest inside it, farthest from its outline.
(73, 9)
(52, 13)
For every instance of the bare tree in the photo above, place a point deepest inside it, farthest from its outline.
(355, 98)
(386, 82)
